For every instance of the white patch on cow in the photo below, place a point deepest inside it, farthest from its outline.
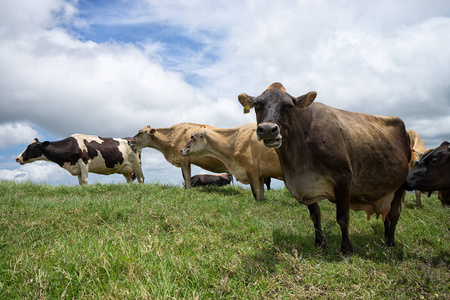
(83, 137)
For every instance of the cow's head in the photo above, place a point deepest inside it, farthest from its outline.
(432, 172)
(143, 138)
(197, 144)
(273, 109)
(415, 158)
(33, 152)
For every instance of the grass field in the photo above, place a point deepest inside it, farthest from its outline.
(155, 241)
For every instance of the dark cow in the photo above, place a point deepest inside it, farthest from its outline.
(80, 154)
(432, 172)
(356, 160)
(209, 179)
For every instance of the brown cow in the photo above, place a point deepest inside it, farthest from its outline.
(245, 158)
(417, 150)
(169, 141)
(356, 160)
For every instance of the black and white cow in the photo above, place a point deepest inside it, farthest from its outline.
(80, 154)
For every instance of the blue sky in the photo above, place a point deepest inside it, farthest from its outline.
(110, 68)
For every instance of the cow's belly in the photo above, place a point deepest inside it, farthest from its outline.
(99, 167)
(309, 188)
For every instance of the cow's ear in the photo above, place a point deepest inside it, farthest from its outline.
(152, 131)
(305, 100)
(45, 144)
(247, 102)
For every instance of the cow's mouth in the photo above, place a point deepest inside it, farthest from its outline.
(275, 143)
(185, 151)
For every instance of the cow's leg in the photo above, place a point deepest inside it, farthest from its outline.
(84, 171)
(314, 213)
(186, 171)
(343, 216)
(257, 185)
(267, 181)
(129, 177)
(138, 174)
(418, 197)
(392, 217)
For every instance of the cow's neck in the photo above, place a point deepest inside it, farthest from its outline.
(162, 139)
(61, 152)
(300, 124)
(222, 142)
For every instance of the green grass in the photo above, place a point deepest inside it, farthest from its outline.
(155, 241)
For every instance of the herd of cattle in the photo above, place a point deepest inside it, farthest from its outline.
(357, 161)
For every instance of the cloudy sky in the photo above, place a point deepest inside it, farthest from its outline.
(110, 68)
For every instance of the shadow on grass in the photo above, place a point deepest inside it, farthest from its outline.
(369, 246)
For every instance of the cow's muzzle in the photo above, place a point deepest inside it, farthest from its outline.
(269, 133)
(19, 159)
(185, 151)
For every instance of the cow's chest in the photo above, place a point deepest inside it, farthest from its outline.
(306, 186)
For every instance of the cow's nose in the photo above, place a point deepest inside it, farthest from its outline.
(267, 130)
(18, 159)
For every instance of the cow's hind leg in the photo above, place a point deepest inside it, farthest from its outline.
(343, 217)
(392, 217)
(314, 213)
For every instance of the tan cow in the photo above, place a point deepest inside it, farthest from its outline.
(417, 151)
(169, 142)
(238, 148)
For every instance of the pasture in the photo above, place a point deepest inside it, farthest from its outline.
(155, 241)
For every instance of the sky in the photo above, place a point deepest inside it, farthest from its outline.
(110, 68)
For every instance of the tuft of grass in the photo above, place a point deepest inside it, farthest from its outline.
(155, 241)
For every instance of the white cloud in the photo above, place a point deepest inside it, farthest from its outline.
(12, 134)
(379, 57)
(38, 172)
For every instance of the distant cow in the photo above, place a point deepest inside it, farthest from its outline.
(208, 179)
(245, 158)
(356, 160)
(169, 141)
(417, 150)
(432, 172)
(80, 154)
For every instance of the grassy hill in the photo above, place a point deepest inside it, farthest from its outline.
(156, 241)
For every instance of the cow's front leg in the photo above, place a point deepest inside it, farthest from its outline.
(186, 172)
(257, 185)
(314, 213)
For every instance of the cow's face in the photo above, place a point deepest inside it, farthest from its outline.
(196, 146)
(273, 109)
(32, 153)
(432, 172)
(143, 138)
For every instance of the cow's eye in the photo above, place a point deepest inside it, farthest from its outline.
(287, 108)
(435, 160)
(258, 105)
